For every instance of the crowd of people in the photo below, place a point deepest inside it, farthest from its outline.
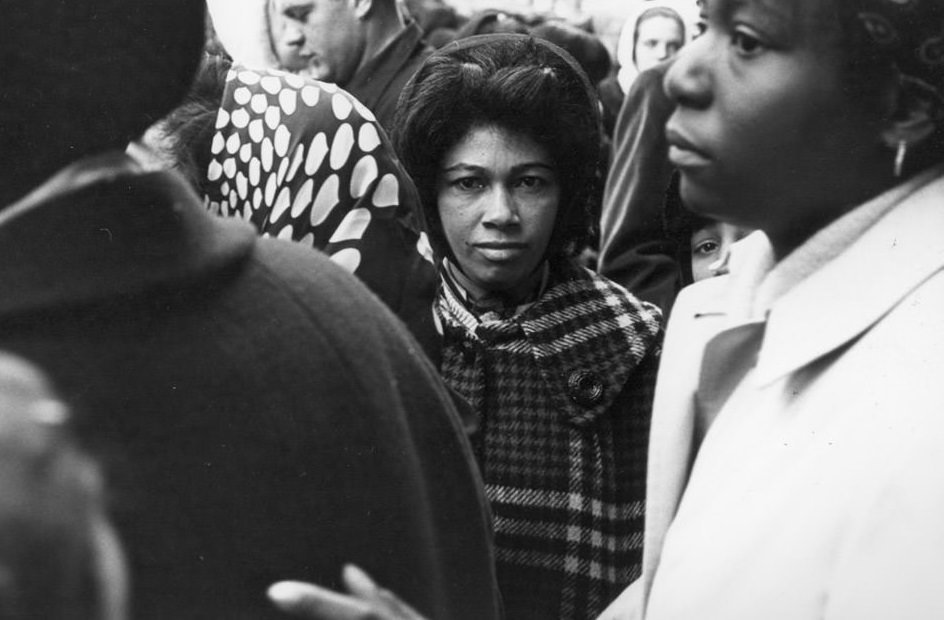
(359, 309)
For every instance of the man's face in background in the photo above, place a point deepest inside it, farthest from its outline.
(321, 39)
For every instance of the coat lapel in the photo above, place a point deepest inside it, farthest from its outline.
(697, 316)
(824, 312)
(845, 298)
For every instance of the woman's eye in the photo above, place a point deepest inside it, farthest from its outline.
(705, 248)
(468, 183)
(531, 182)
(746, 43)
(299, 14)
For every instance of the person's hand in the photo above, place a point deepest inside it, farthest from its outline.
(366, 601)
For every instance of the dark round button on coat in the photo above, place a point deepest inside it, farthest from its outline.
(585, 388)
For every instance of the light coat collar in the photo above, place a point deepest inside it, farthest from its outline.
(848, 294)
(824, 311)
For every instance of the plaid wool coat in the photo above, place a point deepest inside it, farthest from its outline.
(562, 392)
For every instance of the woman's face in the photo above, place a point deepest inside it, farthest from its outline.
(658, 38)
(763, 133)
(710, 248)
(498, 195)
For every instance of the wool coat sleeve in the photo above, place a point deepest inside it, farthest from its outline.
(634, 249)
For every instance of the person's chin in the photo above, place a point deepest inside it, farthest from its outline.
(307, 68)
(498, 279)
(699, 197)
(319, 73)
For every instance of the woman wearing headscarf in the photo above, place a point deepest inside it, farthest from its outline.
(654, 32)
(502, 135)
(305, 161)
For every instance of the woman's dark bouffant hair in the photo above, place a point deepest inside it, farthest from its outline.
(516, 82)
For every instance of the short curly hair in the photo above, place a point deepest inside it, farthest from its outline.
(517, 82)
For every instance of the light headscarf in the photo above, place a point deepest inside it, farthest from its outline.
(686, 9)
(242, 26)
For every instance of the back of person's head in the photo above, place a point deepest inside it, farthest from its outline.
(85, 76)
(519, 83)
(51, 554)
(584, 46)
(182, 139)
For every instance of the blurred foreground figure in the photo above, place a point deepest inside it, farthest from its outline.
(59, 556)
(256, 412)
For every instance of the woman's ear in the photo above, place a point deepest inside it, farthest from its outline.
(913, 120)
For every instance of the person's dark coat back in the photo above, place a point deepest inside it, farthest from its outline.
(259, 415)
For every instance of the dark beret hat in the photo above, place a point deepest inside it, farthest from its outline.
(81, 76)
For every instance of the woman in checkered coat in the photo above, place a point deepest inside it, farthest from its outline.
(502, 135)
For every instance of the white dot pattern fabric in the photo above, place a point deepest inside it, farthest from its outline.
(304, 161)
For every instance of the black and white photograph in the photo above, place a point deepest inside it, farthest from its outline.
(472, 310)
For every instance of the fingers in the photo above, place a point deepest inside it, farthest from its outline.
(366, 601)
(311, 602)
(359, 583)
(386, 604)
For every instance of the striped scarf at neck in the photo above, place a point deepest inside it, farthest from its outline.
(493, 305)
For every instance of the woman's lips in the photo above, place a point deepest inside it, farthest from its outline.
(500, 251)
(683, 153)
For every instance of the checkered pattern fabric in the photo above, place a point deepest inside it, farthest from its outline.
(563, 393)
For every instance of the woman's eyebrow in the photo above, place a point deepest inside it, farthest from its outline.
(462, 166)
(775, 12)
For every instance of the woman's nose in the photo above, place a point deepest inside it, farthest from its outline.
(688, 81)
(500, 210)
(663, 51)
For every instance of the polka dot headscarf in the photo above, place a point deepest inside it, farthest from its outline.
(305, 161)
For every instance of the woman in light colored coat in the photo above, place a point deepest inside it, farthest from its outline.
(795, 460)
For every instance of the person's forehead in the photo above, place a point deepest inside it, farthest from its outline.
(787, 10)
(780, 9)
(284, 5)
(658, 20)
(803, 18)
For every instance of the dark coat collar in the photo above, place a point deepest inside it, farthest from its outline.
(103, 228)
(389, 69)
